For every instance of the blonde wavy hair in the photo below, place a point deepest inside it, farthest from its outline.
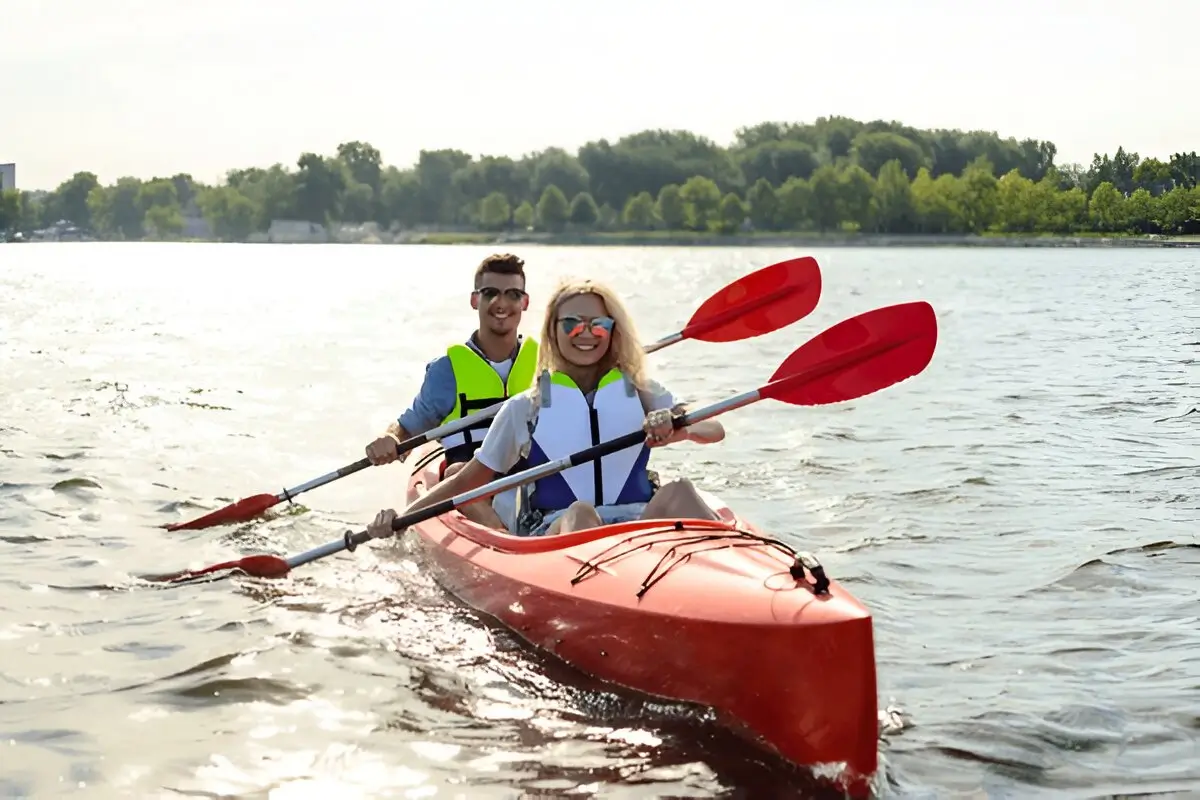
(624, 352)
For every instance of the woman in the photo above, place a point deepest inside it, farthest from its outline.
(592, 388)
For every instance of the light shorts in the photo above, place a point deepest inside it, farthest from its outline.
(609, 515)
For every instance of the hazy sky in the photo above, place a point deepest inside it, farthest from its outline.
(155, 87)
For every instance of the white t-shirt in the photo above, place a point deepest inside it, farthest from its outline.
(502, 368)
(509, 432)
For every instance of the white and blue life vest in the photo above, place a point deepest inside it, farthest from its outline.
(566, 423)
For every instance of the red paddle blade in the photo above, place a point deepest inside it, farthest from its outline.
(242, 510)
(857, 356)
(260, 566)
(759, 303)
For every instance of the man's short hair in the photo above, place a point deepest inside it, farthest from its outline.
(501, 264)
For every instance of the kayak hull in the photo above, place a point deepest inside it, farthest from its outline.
(702, 611)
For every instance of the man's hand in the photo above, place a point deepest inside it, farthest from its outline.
(384, 450)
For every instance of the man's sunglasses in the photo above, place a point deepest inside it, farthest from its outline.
(573, 325)
(490, 293)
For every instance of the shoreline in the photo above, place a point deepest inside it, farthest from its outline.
(687, 239)
(677, 239)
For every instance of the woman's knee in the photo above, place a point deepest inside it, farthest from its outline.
(680, 498)
(580, 515)
(677, 489)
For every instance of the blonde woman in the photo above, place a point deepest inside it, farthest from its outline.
(592, 387)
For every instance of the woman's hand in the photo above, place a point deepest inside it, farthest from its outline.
(660, 428)
(381, 526)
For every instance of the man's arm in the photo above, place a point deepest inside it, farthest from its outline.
(433, 403)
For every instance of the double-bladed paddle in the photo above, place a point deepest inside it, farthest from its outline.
(855, 357)
(756, 304)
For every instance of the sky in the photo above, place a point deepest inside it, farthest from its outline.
(156, 87)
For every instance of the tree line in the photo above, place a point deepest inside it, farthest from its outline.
(835, 174)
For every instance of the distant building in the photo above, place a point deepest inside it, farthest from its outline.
(8, 176)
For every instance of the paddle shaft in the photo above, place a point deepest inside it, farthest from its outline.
(412, 443)
(352, 540)
(475, 420)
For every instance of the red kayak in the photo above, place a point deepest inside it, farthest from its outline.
(711, 612)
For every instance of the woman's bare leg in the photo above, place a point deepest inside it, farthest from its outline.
(481, 511)
(678, 500)
(579, 516)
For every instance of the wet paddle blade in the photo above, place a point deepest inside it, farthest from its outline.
(858, 356)
(242, 510)
(258, 566)
(763, 301)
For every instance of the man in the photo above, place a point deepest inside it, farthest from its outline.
(494, 364)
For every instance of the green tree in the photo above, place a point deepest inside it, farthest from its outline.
(116, 211)
(978, 198)
(10, 209)
(69, 200)
(229, 212)
(158, 202)
(872, 150)
(583, 210)
(796, 204)
(271, 190)
(639, 212)
(439, 200)
(1142, 212)
(893, 201)
(701, 198)
(319, 187)
(552, 209)
(670, 207)
(608, 219)
(556, 167)
(1178, 210)
(937, 203)
(1016, 206)
(400, 199)
(776, 161)
(1106, 210)
(524, 217)
(763, 206)
(856, 194)
(495, 212)
(358, 202)
(825, 205)
(834, 173)
(364, 163)
(731, 214)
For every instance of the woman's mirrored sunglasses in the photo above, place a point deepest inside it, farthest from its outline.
(573, 325)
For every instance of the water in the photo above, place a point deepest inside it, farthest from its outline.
(1022, 526)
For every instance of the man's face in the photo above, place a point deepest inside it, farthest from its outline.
(501, 298)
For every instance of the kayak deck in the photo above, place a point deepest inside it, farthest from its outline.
(705, 611)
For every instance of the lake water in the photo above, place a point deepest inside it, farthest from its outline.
(1020, 522)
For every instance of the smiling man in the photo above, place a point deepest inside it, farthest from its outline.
(495, 363)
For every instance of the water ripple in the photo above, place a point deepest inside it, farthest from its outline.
(1021, 519)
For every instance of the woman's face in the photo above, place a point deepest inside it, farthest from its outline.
(583, 330)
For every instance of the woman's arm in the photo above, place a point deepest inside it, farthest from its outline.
(499, 452)
(471, 476)
(708, 431)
